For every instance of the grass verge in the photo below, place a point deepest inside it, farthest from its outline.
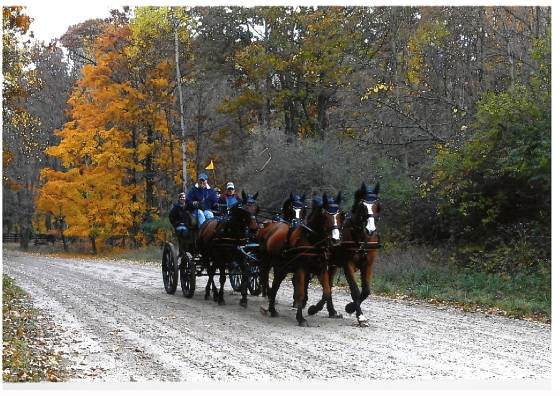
(420, 273)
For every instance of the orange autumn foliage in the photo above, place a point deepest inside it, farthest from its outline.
(118, 127)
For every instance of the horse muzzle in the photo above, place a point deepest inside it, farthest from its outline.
(334, 239)
(370, 226)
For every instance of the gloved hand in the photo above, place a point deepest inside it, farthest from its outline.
(196, 204)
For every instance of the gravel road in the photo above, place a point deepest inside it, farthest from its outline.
(118, 325)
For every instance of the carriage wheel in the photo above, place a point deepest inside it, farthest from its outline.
(254, 280)
(235, 275)
(169, 268)
(188, 275)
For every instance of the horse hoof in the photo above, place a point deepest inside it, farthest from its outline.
(206, 297)
(264, 311)
(362, 321)
(216, 298)
(274, 314)
(312, 310)
(221, 302)
(243, 303)
(350, 308)
(303, 323)
(335, 315)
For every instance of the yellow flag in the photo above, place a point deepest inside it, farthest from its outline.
(211, 166)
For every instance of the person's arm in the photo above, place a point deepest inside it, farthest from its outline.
(173, 217)
(213, 197)
(191, 198)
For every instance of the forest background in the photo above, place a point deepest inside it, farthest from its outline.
(449, 108)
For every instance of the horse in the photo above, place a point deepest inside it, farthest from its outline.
(293, 212)
(306, 252)
(218, 240)
(360, 242)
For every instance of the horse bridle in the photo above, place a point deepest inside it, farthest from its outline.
(336, 226)
(369, 201)
(297, 208)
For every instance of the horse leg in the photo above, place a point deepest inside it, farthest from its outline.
(330, 305)
(325, 279)
(313, 309)
(264, 274)
(299, 290)
(278, 278)
(324, 299)
(221, 300)
(294, 304)
(350, 273)
(210, 283)
(366, 279)
(215, 293)
(244, 282)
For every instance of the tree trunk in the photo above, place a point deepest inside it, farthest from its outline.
(181, 110)
(93, 247)
(25, 238)
(149, 173)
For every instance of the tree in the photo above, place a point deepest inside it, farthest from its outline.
(295, 69)
(153, 26)
(18, 124)
(108, 145)
(502, 175)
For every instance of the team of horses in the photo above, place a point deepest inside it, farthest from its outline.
(301, 244)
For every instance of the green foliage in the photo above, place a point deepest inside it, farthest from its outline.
(152, 227)
(414, 272)
(502, 175)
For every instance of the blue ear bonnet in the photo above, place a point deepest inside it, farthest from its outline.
(370, 196)
(296, 202)
(332, 207)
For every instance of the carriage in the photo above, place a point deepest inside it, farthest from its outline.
(185, 267)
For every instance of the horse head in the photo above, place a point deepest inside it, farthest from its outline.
(326, 218)
(293, 209)
(245, 212)
(366, 208)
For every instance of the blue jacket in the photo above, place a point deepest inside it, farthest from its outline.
(229, 201)
(205, 196)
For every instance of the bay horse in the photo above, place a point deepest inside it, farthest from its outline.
(293, 212)
(360, 242)
(218, 240)
(306, 252)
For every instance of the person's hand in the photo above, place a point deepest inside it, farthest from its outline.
(196, 204)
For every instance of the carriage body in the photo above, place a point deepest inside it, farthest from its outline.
(186, 262)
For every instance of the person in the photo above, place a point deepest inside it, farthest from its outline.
(202, 198)
(179, 218)
(230, 198)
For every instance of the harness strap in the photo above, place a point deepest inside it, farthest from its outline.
(361, 246)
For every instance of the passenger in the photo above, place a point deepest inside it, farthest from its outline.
(230, 198)
(202, 198)
(179, 218)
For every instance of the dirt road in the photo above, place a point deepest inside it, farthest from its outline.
(118, 325)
